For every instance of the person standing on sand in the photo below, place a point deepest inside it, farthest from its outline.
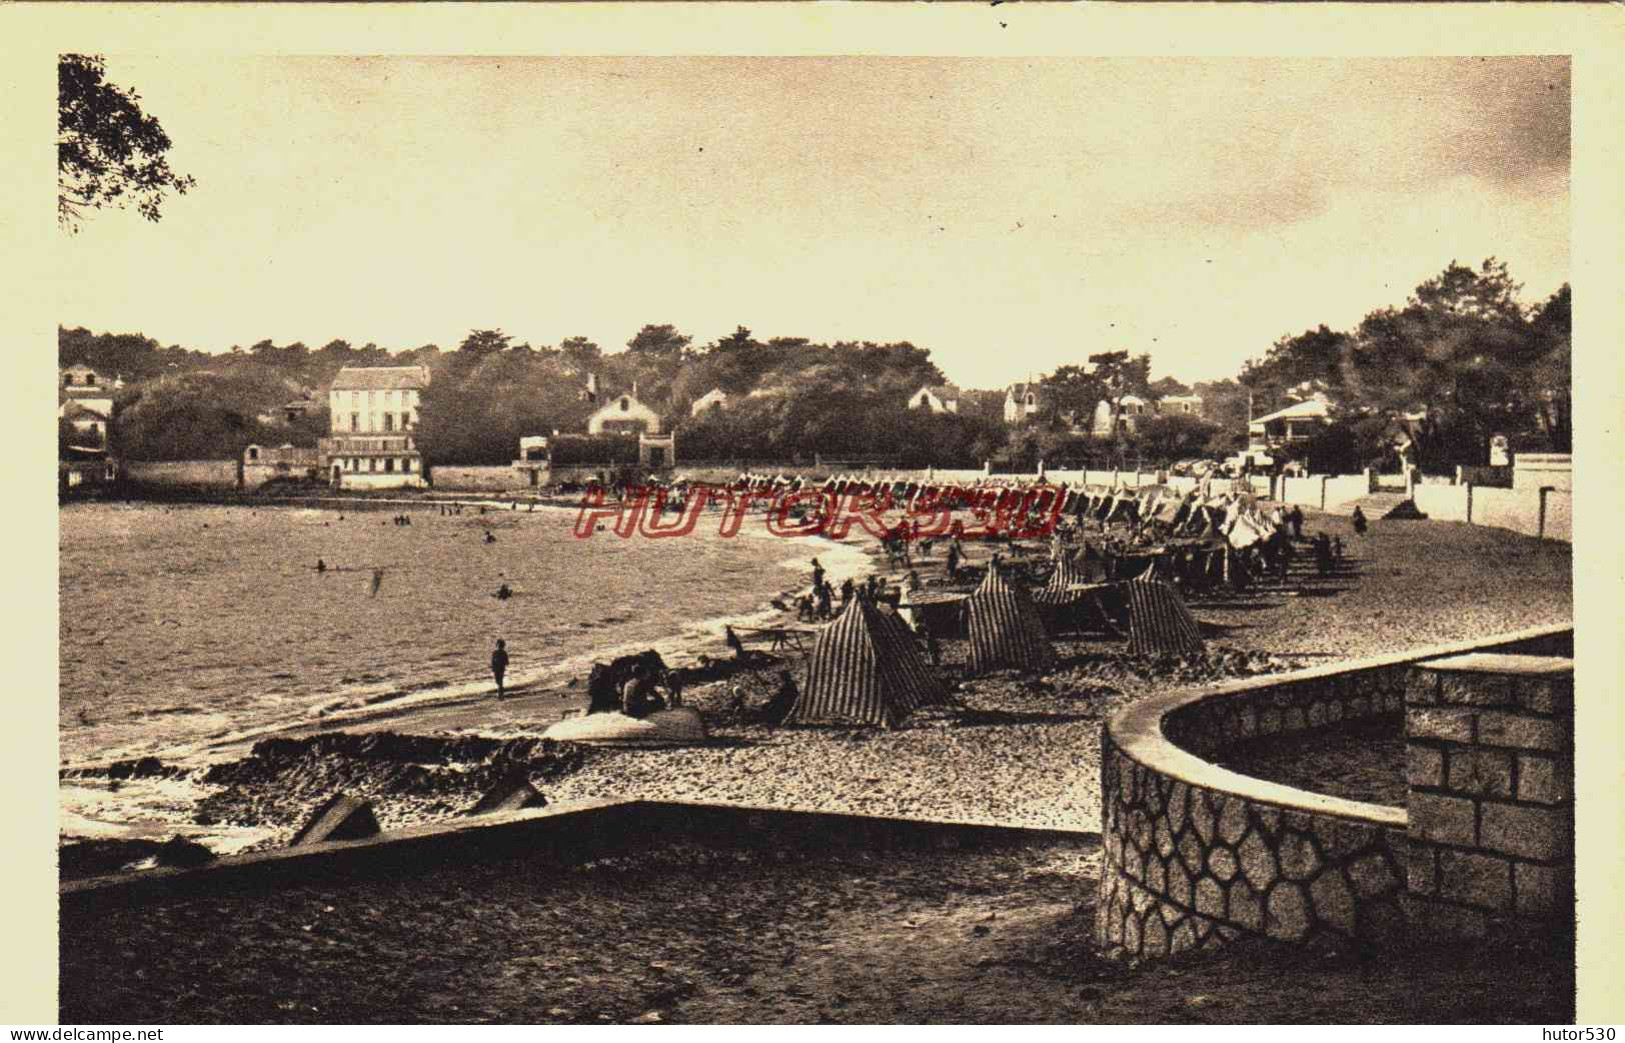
(953, 562)
(321, 566)
(818, 574)
(1359, 522)
(499, 666)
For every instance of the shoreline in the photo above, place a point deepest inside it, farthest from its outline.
(95, 806)
(1022, 752)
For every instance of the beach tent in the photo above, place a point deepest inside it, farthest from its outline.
(1071, 602)
(865, 669)
(1158, 621)
(1006, 631)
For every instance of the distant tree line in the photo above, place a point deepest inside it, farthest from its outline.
(1463, 357)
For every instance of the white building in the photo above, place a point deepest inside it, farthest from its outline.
(1021, 402)
(372, 441)
(623, 413)
(85, 400)
(1179, 405)
(716, 398)
(1131, 410)
(1298, 422)
(938, 398)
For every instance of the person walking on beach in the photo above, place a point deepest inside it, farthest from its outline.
(1295, 517)
(377, 580)
(737, 646)
(499, 666)
(953, 561)
(1323, 554)
(1359, 522)
(932, 649)
(818, 574)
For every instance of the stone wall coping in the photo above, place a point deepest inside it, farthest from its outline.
(588, 812)
(1501, 663)
(1137, 730)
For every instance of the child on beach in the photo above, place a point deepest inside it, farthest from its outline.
(499, 665)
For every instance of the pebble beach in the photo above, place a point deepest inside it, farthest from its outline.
(1018, 750)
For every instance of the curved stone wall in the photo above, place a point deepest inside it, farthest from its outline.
(1197, 856)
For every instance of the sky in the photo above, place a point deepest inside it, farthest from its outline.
(1011, 215)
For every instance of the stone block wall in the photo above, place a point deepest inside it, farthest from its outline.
(1490, 763)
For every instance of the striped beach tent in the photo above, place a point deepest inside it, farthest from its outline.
(865, 669)
(1006, 631)
(1158, 621)
(1062, 584)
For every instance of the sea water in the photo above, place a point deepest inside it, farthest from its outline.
(182, 626)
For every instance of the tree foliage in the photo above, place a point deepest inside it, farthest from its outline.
(109, 153)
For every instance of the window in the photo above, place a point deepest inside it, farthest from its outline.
(355, 400)
(253, 453)
(389, 421)
(372, 463)
(67, 381)
(406, 465)
(626, 405)
(355, 422)
(389, 465)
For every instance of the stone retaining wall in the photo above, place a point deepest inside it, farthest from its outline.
(218, 474)
(491, 477)
(1200, 862)
(1197, 856)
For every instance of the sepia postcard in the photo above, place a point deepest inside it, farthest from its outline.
(868, 515)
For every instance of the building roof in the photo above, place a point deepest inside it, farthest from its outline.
(945, 392)
(75, 409)
(381, 378)
(1020, 390)
(1307, 410)
(1180, 398)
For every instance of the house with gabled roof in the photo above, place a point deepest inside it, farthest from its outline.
(938, 398)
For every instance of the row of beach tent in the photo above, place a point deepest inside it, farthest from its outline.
(866, 667)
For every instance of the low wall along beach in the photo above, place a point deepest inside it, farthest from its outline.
(1541, 511)
(1198, 856)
